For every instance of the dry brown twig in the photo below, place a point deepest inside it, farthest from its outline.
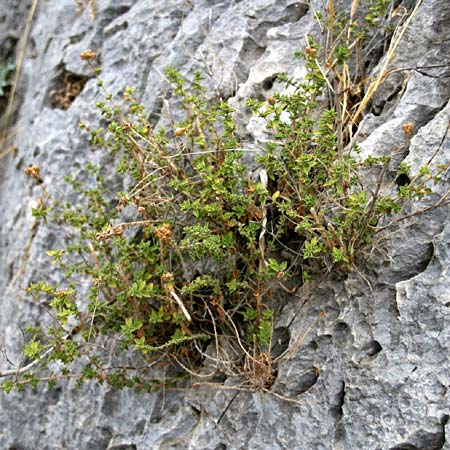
(83, 4)
(384, 71)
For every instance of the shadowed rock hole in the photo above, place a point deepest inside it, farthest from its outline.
(338, 413)
(140, 427)
(402, 180)
(444, 422)
(157, 412)
(229, 95)
(220, 447)
(113, 12)
(74, 39)
(53, 395)
(296, 11)
(111, 403)
(280, 341)
(118, 27)
(10, 271)
(267, 84)
(305, 381)
(123, 447)
(293, 13)
(423, 440)
(341, 333)
(337, 409)
(19, 165)
(355, 128)
(65, 89)
(250, 52)
(155, 115)
(427, 255)
(196, 411)
(370, 349)
(394, 93)
(375, 347)
(405, 447)
(415, 261)
(378, 106)
(372, 57)
(155, 419)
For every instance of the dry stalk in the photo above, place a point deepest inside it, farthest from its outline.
(384, 72)
(82, 4)
(19, 62)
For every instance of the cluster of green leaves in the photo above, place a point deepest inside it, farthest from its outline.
(207, 249)
(377, 10)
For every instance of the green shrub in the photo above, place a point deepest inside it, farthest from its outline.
(211, 246)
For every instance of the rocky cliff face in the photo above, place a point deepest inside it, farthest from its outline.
(373, 371)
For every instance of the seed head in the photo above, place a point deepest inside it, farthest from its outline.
(163, 232)
(310, 51)
(88, 54)
(180, 131)
(408, 128)
(167, 278)
(33, 172)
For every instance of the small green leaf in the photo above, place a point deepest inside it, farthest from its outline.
(275, 196)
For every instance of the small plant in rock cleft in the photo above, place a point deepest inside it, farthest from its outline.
(192, 279)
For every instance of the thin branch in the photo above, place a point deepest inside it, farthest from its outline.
(28, 367)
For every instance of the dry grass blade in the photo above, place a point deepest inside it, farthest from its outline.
(82, 4)
(384, 72)
(20, 59)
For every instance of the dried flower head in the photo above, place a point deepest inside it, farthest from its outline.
(310, 51)
(408, 128)
(271, 100)
(88, 54)
(167, 278)
(180, 131)
(163, 232)
(122, 202)
(33, 171)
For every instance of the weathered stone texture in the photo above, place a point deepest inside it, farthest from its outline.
(374, 372)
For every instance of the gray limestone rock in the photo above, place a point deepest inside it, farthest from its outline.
(368, 366)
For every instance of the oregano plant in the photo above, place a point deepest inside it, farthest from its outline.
(194, 276)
